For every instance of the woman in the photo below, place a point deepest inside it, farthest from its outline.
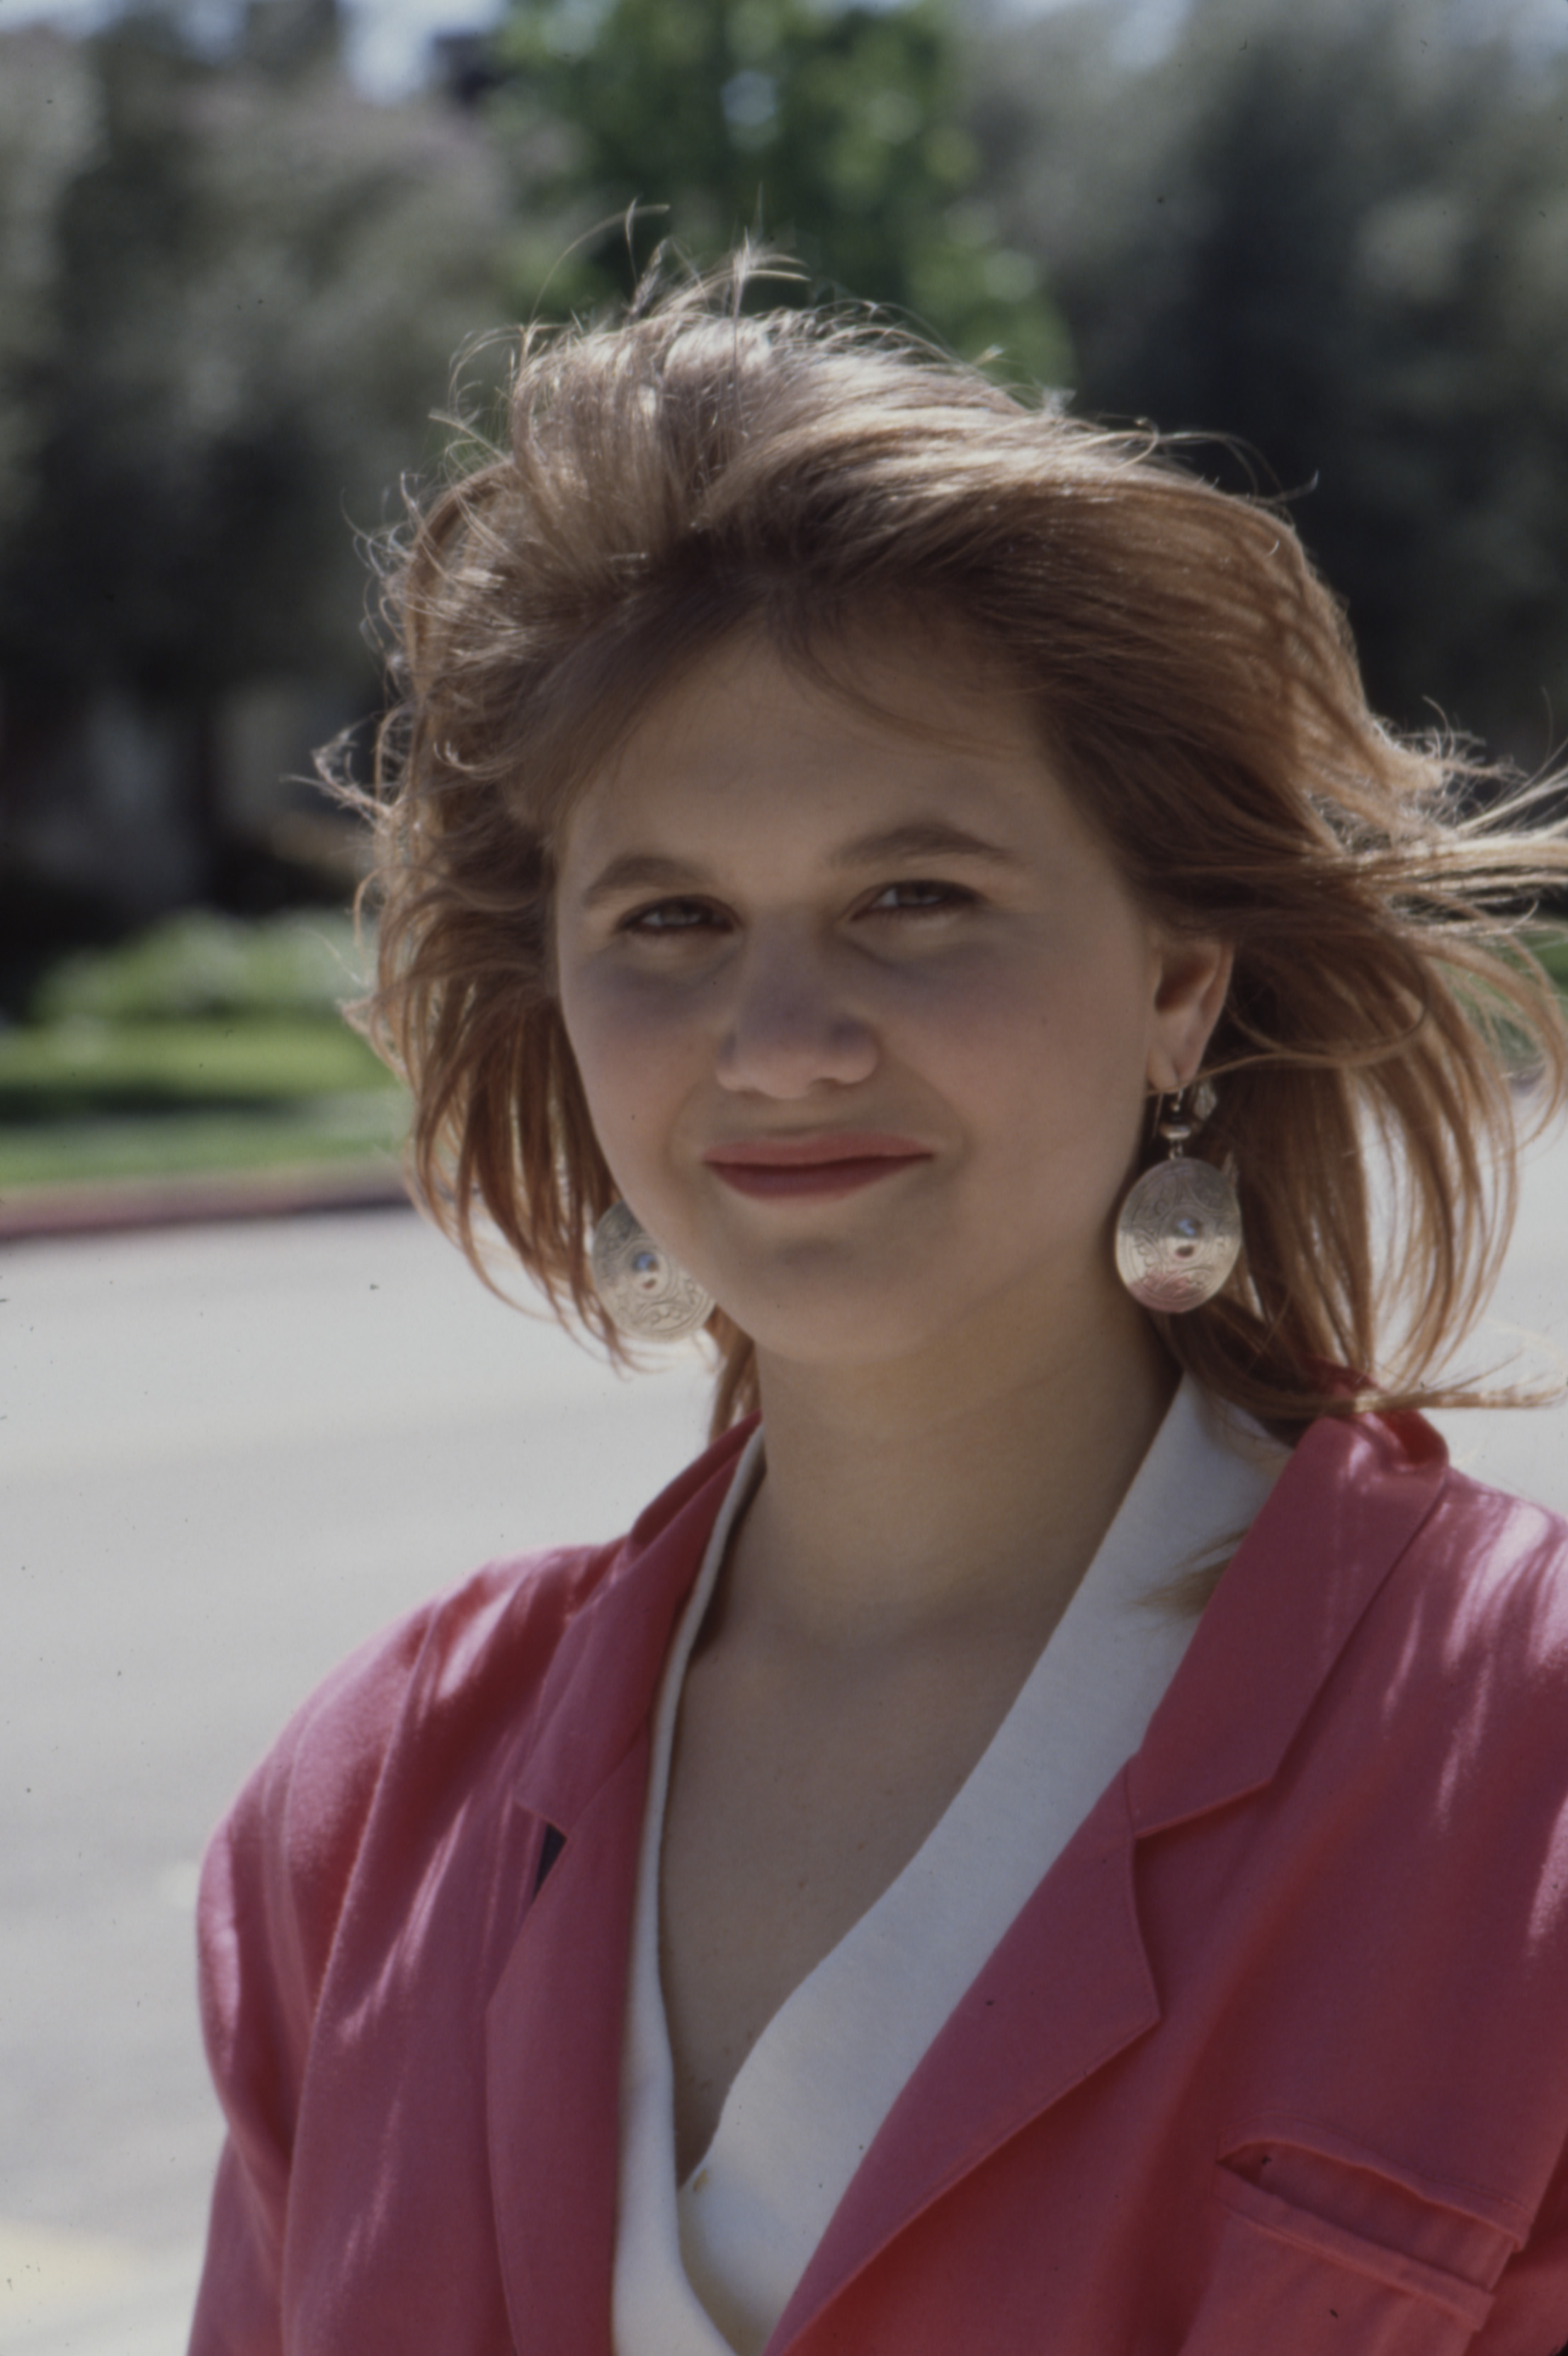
(1053, 1833)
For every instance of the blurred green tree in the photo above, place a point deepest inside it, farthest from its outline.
(244, 285)
(1340, 233)
(230, 293)
(837, 132)
(48, 128)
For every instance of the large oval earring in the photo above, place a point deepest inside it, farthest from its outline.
(1179, 1232)
(646, 1294)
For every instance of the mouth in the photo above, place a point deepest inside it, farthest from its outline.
(836, 1163)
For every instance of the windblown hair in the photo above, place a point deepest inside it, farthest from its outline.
(688, 472)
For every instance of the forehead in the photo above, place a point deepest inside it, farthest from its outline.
(748, 738)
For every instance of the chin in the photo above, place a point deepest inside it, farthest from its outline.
(846, 1326)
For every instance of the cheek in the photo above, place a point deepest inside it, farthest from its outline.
(1050, 1082)
(632, 1054)
(1062, 1028)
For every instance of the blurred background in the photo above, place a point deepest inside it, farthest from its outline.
(241, 244)
(239, 247)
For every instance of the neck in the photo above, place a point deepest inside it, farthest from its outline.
(966, 1486)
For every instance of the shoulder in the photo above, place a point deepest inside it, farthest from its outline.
(1485, 1573)
(1381, 1507)
(440, 1666)
(1394, 1626)
(1455, 1659)
(1480, 1605)
(439, 1681)
(426, 1723)
(1488, 1540)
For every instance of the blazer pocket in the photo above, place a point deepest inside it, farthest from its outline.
(1295, 2284)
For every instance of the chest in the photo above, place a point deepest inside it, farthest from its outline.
(794, 1801)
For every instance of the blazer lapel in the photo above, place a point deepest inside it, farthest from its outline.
(1070, 1986)
(1341, 1513)
(1067, 1988)
(601, 1685)
(555, 2024)
(552, 2070)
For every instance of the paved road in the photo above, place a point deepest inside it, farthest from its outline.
(227, 1454)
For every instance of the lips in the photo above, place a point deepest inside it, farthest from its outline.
(832, 1163)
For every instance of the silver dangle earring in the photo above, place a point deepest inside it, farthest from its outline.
(1179, 1232)
(645, 1293)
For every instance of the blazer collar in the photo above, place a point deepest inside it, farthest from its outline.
(1070, 1986)
(601, 1685)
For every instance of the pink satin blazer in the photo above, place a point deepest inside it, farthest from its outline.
(1274, 2063)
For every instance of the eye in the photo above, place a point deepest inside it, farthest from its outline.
(669, 916)
(922, 896)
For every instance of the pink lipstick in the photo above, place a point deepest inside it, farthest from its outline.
(836, 1163)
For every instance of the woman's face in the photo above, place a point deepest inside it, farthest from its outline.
(866, 1018)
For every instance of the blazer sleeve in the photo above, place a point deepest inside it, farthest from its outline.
(1531, 2308)
(274, 1885)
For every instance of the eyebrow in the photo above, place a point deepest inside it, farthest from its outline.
(921, 837)
(916, 839)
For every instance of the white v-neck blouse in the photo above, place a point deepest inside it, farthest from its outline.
(707, 2267)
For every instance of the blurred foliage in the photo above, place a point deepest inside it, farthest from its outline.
(200, 966)
(63, 1070)
(286, 1132)
(230, 287)
(230, 291)
(1340, 233)
(202, 1043)
(1553, 951)
(840, 133)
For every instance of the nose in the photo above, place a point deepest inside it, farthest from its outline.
(789, 1026)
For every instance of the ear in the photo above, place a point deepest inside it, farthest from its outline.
(1192, 976)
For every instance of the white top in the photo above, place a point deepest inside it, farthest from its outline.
(708, 2269)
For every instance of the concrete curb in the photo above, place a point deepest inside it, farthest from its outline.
(101, 1209)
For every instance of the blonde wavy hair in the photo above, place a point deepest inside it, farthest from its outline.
(690, 470)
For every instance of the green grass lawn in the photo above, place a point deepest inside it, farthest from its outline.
(203, 1044)
(84, 1067)
(331, 1131)
(85, 1099)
